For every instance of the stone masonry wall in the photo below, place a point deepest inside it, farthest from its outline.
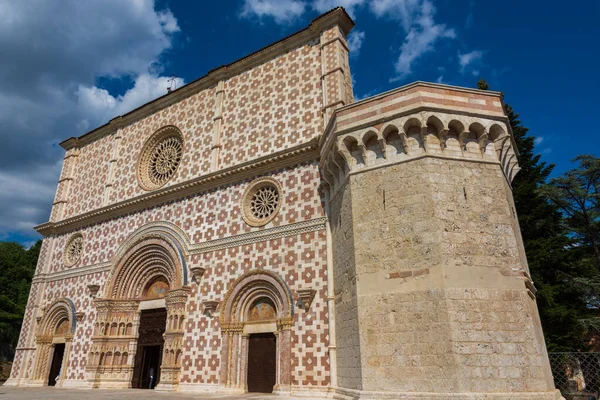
(432, 239)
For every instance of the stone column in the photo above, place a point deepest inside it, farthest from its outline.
(224, 365)
(42, 360)
(65, 361)
(284, 345)
(171, 363)
(244, 363)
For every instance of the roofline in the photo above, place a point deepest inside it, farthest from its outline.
(336, 16)
(422, 84)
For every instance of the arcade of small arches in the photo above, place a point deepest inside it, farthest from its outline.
(418, 135)
(142, 307)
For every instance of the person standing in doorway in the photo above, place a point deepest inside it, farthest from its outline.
(151, 377)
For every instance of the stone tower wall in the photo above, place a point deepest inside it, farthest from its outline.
(428, 258)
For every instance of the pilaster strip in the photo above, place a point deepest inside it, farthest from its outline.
(217, 127)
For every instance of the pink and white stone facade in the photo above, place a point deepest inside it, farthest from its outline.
(285, 112)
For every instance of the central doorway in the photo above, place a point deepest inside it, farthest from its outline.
(57, 359)
(262, 354)
(148, 358)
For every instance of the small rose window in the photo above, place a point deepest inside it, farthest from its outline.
(73, 250)
(261, 201)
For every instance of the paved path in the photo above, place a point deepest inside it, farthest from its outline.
(105, 394)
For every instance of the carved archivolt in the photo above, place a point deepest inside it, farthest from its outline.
(261, 300)
(261, 201)
(60, 310)
(149, 258)
(160, 158)
(73, 250)
(252, 286)
(417, 135)
(58, 322)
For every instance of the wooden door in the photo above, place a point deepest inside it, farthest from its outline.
(262, 353)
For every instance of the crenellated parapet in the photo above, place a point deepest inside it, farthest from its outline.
(414, 122)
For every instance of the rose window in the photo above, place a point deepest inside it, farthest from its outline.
(160, 158)
(264, 202)
(261, 201)
(73, 250)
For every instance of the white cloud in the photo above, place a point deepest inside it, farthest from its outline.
(350, 6)
(422, 34)
(98, 104)
(48, 93)
(440, 79)
(538, 140)
(282, 11)
(405, 11)
(355, 41)
(468, 59)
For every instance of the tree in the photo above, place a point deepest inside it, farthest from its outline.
(576, 194)
(547, 245)
(17, 267)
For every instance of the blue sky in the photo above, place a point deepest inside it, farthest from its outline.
(69, 66)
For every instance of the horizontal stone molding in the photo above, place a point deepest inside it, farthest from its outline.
(285, 158)
(260, 236)
(277, 232)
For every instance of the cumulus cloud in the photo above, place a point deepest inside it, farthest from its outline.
(281, 11)
(100, 104)
(422, 32)
(468, 59)
(355, 41)
(351, 6)
(48, 93)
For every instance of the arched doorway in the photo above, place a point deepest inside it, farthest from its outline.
(54, 338)
(136, 342)
(256, 321)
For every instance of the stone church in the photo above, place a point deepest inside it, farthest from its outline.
(258, 230)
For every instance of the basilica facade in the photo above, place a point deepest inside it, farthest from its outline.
(259, 230)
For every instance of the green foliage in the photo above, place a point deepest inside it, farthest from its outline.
(17, 267)
(482, 85)
(549, 246)
(576, 194)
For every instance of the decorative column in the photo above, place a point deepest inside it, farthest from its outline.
(231, 360)
(225, 345)
(244, 365)
(172, 349)
(42, 361)
(284, 345)
(65, 361)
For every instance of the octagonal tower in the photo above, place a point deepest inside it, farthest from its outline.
(432, 290)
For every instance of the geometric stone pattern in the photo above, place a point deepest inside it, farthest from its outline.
(395, 211)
